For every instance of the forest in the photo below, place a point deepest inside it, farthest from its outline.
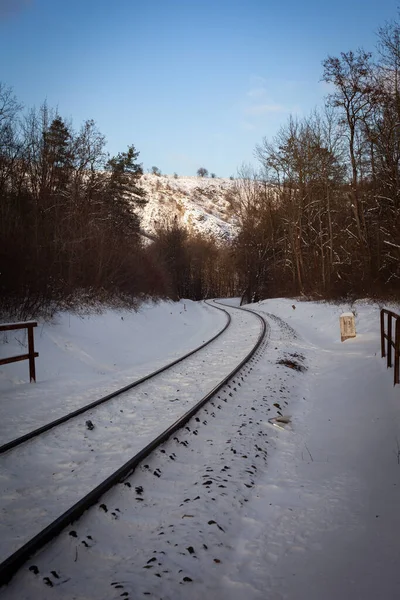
(318, 218)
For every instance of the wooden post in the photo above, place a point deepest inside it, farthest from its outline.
(383, 352)
(31, 346)
(31, 351)
(396, 352)
(389, 339)
(393, 342)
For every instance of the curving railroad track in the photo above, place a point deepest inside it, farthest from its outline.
(83, 409)
(244, 343)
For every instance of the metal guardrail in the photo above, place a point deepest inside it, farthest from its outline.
(29, 325)
(390, 343)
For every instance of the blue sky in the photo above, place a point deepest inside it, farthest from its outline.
(189, 82)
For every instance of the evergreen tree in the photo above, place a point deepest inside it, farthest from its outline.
(123, 192)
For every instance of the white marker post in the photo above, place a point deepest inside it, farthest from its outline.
(347, 326)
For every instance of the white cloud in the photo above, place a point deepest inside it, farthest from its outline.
(262, 109)
(246, 126)
(264, 99)
(257, 87)
(257, 81)
(257, 92)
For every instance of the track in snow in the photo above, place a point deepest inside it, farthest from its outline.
(10, 565)
(83, 409)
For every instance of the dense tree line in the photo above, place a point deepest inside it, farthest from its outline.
(323, 218)
(195, 266)
(69, 231)
(66, 223)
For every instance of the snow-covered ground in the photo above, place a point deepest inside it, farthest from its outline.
(235, 507)
(46, 475)
(82, 358)
(325, 520)
(200, 203)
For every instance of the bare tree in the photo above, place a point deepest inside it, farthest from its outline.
(351, 74)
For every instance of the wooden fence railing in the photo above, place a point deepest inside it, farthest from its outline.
(29, 325)
(390, 342)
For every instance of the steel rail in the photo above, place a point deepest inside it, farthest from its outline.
(79, 411)
(10, 566)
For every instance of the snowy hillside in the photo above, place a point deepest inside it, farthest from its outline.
(201, 204)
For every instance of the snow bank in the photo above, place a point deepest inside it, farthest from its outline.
(319, 321)
(324, 519)
(84, 357)
(243, 509)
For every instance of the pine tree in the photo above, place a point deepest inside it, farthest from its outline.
(123, 193)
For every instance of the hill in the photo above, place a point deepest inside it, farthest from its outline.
(203, 205)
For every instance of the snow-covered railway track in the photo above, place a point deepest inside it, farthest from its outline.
(246, 339)
(83, 409)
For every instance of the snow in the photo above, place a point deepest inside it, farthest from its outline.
(199, 203)
(235, 507)
(324, 523)
(73, 459)
(84, 357)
